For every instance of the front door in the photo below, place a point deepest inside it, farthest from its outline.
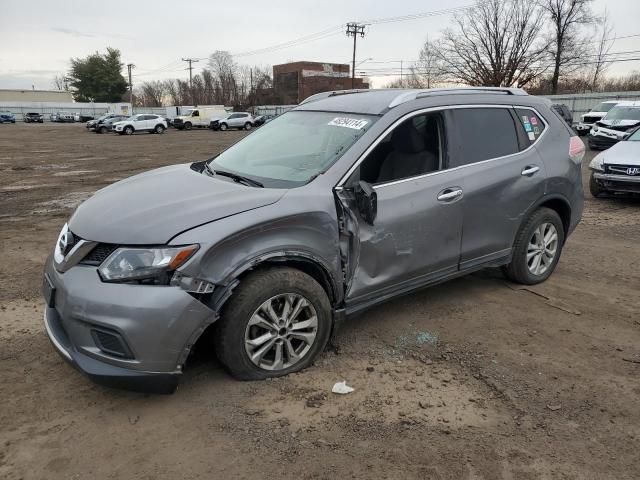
(415, 237)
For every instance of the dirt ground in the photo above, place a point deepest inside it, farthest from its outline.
(473, 379)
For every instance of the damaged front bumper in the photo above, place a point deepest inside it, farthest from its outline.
(617, 183)
(135, 337)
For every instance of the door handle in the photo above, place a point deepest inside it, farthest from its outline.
(530, 170)
(450, 194)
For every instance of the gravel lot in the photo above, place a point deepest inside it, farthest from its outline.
(472, 379)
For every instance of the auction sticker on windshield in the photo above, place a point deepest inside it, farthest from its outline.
(355, 123)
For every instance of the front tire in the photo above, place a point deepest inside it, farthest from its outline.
(537, 248)
(248, 126)
(223, 127)
(128, 130)
(188, 126)
(277, 322)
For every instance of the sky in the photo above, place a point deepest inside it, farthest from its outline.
(39, 37)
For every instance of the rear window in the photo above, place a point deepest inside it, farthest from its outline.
(532, 123)
(484, 133)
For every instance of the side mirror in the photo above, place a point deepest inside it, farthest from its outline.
(366, 201)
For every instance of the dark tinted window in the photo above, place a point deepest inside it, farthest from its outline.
(483, 133)
(413, 148)
(531, 122)
(235, 115)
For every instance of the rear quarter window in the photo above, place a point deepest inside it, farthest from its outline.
(532, 123)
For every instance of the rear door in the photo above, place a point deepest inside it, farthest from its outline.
(503, 177)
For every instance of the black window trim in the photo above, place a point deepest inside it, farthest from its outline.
(340, 185)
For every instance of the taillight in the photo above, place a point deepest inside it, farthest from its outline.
(576, 149)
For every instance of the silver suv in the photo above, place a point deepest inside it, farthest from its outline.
(239, 120)
(316, 216)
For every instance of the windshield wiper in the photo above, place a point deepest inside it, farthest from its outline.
(235, 177)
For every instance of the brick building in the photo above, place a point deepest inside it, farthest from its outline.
(293, 82)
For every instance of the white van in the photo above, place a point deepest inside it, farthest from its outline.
(199, 117)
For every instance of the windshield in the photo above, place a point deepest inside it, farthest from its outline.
(603, 107)
(624, 113)
(635, 136)
(290, 150)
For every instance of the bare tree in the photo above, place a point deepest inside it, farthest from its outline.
(153, 93)
(60, 82)
(497, 43)
(430, 66)
(603, 49)
(566, 16)
(224, 69)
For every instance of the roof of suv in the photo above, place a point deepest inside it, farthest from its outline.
(377, 101)
(627, 103)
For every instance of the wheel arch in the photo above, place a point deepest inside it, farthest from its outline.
(303, 261)
(556, 202)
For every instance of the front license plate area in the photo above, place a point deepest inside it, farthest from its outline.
(49, 291)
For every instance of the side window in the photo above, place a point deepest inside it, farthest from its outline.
(531, 122)
(413, 148)
(483, 134)
(195, 113)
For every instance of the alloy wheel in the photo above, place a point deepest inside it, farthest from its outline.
(281, 332)
(542, 248)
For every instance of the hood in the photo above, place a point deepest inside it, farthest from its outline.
(623, 153)
(151, 208)
(621, 125)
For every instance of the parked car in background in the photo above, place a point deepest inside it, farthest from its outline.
(142, 122)
(106, 125)
(564, 112)
(62, 117)
(595, 114)
(82, 117)
(199, 117)
(7, 117)
(316, 216)
(622, 118)
(33, 117)
(261, 120)
(618, 169)
(239, 120)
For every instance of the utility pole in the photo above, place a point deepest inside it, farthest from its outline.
(191, 61)
(130, 66)
(353, 30)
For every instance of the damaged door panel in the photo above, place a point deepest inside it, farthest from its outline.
(414, 238)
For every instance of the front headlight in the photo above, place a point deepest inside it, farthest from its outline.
(126, 264)
(597, 163)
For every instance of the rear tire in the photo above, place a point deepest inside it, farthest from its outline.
(103, 130)
(531, 245)
(237, 330)
(159, 129)
(595, 189)
(247, 126)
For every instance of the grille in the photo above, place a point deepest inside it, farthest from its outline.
(177, 120)
(110, 343)
(591, 119)
(99, 254)
(621, 169)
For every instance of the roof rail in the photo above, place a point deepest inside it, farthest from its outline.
(335, 93)
(415, 94)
